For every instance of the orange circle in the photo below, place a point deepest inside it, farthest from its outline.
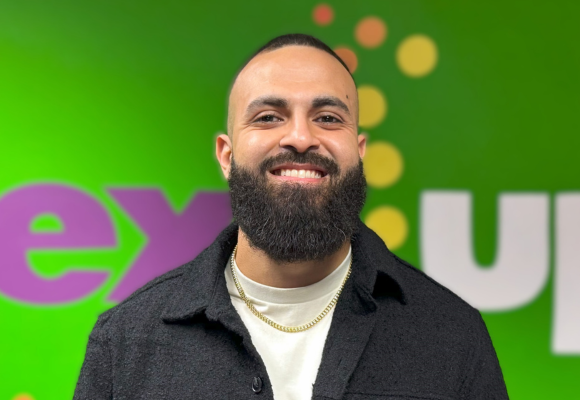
(348, 56)
(323, 14)
(23, 396)
(370, 32)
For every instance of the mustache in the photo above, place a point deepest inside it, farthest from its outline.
(329, 165)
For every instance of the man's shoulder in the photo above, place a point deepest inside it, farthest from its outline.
(413, 287)
(423, 289)
(171, 295)
(144, 305)
(433, 306)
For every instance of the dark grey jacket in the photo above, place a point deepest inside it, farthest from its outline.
(395, 334)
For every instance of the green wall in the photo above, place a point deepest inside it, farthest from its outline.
(127, 94)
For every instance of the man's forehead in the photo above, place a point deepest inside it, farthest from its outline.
(293, 71)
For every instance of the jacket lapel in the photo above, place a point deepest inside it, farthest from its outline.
(352, 324)
(355, 315)
(203, 289)
(200, 279)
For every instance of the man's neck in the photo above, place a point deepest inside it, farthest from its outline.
(257, 266)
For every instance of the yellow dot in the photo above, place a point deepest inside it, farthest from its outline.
(390, 224)
(417, 56)
(383, 164)
(372, 106)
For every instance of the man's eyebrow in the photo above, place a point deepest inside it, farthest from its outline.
(332, 101)
(262, 101)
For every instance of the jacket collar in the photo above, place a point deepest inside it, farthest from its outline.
(202, 287)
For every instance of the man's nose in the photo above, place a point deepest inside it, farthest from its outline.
(300, 137)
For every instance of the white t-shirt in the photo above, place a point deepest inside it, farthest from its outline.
(291, 359)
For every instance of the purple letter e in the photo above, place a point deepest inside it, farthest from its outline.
(85, 225)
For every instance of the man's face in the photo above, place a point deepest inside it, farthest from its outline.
(296, 98)
(297, 184)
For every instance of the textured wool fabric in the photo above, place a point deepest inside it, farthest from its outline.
(395, 334)
(291, 359)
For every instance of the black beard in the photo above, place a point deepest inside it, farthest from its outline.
(293, 222)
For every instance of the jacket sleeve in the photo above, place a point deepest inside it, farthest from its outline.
(95, 380)
(485, 380)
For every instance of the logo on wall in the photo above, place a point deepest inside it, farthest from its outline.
(55, 217)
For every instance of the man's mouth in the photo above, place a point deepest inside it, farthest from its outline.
(298, 171)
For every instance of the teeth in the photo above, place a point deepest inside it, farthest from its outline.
(299, 173)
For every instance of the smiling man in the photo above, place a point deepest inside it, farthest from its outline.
(297, 299)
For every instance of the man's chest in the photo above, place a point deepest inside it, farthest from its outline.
(206, 361)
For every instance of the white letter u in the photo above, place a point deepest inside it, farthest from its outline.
(521, 266)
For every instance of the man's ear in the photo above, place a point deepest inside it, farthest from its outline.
(362, 144)
(223, 153)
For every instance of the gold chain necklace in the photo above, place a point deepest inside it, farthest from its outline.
(290, 329)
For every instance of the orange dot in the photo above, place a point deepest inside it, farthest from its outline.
(23, 396)
(348, 56)
(323, 14)
(370, 32)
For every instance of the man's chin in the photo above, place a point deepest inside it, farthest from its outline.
(294, 220)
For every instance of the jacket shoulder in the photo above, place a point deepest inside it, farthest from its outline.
(425, 290)
(143, 304)
(438, 307)
(417, 289)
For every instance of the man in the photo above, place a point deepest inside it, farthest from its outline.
(298, 299)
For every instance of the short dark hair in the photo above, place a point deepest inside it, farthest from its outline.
(296, 39)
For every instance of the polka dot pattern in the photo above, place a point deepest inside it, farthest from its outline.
(372, 106)
(383, 164)
(417, 56)
(390, 224)
(370, 32)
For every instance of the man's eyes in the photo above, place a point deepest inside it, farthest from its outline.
(270, 118)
